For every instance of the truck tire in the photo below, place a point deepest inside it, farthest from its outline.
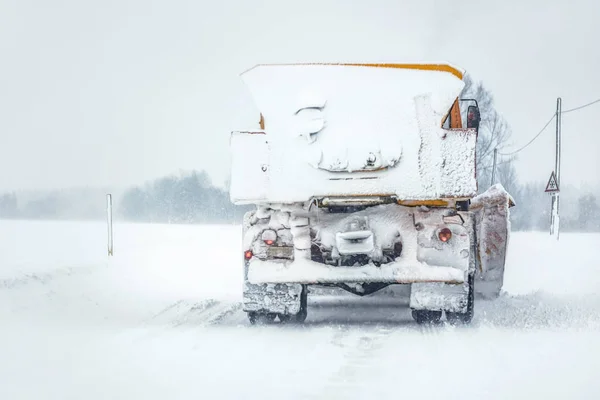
(466, 317)
(260, 318)
(426, 316)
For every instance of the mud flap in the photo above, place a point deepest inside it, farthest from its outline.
(439, 297)
(280, 298)
(491, 210)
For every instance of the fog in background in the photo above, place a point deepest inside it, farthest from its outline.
(120, 92)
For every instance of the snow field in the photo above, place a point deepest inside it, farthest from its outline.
(161, 319)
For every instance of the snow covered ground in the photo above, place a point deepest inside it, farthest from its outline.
(161, 319)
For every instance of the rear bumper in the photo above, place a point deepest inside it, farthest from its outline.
(310, 272)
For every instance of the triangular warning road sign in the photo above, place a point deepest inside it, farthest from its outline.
(552, 185)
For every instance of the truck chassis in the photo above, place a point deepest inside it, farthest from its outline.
(360, 249)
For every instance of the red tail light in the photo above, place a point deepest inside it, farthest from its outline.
(445, 234)
(269, 237)
(248, 254)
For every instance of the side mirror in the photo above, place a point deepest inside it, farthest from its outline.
(473, 117)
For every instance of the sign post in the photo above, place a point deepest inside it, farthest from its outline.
(554, 190)
(554, 228)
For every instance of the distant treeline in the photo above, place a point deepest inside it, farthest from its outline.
(186, 198)
(78, 204)
(578, 211)
(192, 198)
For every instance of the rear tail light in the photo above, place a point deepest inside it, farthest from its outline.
(445, 234)
(269, 237)
(248, 254)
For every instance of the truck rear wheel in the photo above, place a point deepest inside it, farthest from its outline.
(426, 316)
(466, 317)
(260, 318)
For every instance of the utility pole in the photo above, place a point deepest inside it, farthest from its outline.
(555, 219)
(494, 167)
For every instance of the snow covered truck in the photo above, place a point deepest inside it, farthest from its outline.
(364, 176)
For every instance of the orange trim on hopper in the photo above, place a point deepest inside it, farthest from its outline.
(426, 67)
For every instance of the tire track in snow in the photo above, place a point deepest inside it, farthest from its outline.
(366, 347)
(539, 310)
(181, 315)
(174, 314)
(165, 312)
(204, 312)
(194, 311)
(213, 314)
(339, 337)
(224, 314)
(46, 277)
(360, 360)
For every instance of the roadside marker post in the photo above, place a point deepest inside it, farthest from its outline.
(109, 222)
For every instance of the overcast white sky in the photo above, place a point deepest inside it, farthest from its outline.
(120, 92)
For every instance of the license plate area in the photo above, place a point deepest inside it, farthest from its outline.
(285, 252)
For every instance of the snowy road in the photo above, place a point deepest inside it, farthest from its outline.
(162, 319)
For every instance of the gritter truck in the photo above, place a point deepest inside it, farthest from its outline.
(364, 176)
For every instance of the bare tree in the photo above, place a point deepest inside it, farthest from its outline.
(506, 174)
(494, 131)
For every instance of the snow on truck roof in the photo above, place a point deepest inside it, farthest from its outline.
(353, 129)
(376, 89)
(442, 67)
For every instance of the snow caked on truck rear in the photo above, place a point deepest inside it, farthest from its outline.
(363, 176)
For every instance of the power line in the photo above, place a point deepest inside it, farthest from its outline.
(580, 107)
(491, 166)
(532, 140)
(548, 123)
